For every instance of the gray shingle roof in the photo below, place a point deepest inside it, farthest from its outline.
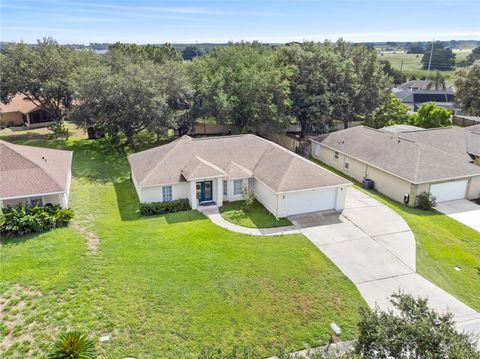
(421, 156)
(236, 156)
(28, 170)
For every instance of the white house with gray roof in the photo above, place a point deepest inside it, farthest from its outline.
(442, 161)
(209, 171)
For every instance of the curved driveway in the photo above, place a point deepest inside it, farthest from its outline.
(373, 246)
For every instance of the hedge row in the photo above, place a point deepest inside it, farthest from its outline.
(23, 219)
(178, 205)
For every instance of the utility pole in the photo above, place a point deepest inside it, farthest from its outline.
(430, 60)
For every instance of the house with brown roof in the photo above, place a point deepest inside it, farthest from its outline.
(405, 162)
(34, 174)
(20, 111)
(209, 171)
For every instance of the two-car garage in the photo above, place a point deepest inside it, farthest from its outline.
(449, 191)
(314, 200)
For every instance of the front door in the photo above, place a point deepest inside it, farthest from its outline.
(206, 191)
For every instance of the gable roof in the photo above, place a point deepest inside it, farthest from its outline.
(230, 156)
(418, 156)
(28, 170)
(18, 103)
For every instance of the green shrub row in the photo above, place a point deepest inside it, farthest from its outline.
(23, 219)
(178, 205)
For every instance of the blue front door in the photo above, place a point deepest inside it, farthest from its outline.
(206, 191)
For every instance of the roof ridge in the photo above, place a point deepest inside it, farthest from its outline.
(208, 163)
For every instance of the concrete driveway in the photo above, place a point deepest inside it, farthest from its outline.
(462, 210)
(373, 246)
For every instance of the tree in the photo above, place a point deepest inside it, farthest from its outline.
(468, 89)
(42, 74)
(473, 56)
(437, 82)
(123, 101)
(411, 330)
(393, 111)
(442, 58)
(415, 48)
(138, 53)
(396, 75)
(190, 52)
(429, 115)
(241, 84)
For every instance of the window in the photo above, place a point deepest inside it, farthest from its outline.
(336, 155)
(225, 188)
(35, 200)
(167, 193)
(346, 164)
(237, 187)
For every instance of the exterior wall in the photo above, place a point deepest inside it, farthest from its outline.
(473, 191)
(154, 194)
(341, 197)
(267, 197)
(11, 119)
(59, 198)
(230, 197)
(390, 185)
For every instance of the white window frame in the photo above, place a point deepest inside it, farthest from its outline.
(167, 191)
(335, 155)
(225, 188)
(238, 187)
(346, 163)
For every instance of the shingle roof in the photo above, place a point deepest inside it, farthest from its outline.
(18, 103)
(28, 170)
(236, 156)
(199, 168)
(420, 156)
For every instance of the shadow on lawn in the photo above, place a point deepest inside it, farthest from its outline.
(128, 204)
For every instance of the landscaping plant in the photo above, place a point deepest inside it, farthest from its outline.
(425, 201)
(248, 197)
(151, 209)
(24, 218)
(73, 345)
(58, 131)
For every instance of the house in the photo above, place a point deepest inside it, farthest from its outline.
(209, 171)
(23, 112)
(34, 174)
(414, 85)
(442, 161)
(415, 98)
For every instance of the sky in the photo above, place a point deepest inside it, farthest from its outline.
(274, 21)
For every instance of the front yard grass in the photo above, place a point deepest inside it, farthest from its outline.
(163, 286)
(442, 243)
(257, 216)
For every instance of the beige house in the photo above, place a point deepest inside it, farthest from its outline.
(22, 112)
(34, 174)
(209, 171)
(441, 161)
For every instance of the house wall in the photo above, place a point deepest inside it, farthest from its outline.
(59, 198)
(267, 197)
(473, 191)
(230, 197)
(11, 119)
(388, 184)
(154, 194)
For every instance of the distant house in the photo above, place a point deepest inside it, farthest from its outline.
(23, 112)
(209, 171)
(415, 98)
(34, 174)
(442, 161)
(414, 85)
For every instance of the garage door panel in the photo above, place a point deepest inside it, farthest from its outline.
(310, 201)
(449, 191)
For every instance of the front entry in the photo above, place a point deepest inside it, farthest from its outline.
(204, 191)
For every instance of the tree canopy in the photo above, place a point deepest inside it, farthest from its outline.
(42, 73)
(473, 56)
(392, 112)
(442, 58)
(429, 115)
(468, 89)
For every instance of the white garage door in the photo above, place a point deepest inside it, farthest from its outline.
(449, 191)
(310, 201)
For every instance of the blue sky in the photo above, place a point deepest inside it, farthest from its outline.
(148, 21)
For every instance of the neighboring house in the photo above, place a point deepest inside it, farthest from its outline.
(23, 112)
(465, 121)
(414, 85)
(209, 171)
(440, 161)
(34, 174)
(415, 98)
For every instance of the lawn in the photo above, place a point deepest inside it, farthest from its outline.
(442, 244)
(162, 286)
(257, 216)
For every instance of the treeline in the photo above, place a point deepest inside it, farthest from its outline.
(133, 88)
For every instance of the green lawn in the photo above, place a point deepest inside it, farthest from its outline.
(257, 216)
(442, 244)
(163, 286)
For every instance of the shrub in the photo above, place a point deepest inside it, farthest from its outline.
(178, 205)
(23, 219)
(58, 130)
(426, 201)
(248, 196)
(73, 345)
